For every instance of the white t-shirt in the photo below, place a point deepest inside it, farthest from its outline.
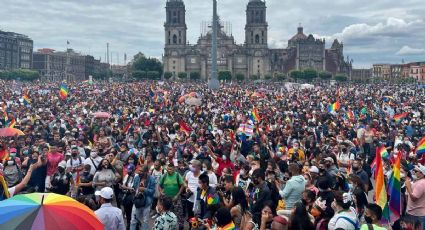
(192, 183)
(213, 179)
(338, 222)
(345, 157)
(96, 161)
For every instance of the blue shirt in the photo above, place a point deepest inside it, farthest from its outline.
(111, 217)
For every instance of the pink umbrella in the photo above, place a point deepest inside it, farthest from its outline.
(101, 115)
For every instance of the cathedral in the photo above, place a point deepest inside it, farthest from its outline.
(254, 57)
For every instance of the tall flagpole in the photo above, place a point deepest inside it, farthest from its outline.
(213, 81)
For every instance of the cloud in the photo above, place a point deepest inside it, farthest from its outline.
(407, 50)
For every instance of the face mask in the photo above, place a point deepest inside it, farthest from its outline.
(192, 169)
(25, 152)
(204, 169)
(224, 157)
(355, 168)
(242, 172)
(74, 154)
(414, 177)
(279, 154)
(321, 170)
(10, 162)
(93, 154)
(402, 175)
(61, 170)
(368, 219)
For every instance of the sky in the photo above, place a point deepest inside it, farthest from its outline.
(377, 31)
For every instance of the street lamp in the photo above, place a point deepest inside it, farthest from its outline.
(213, 81)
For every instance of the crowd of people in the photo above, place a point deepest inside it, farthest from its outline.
(248, 156)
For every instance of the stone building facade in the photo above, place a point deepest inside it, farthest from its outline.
(254, 57)
(15, 51)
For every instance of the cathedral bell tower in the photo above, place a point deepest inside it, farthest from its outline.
(256, 24)
(175, 25)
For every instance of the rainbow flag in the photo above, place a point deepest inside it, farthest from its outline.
(400, 116)
(213, 199)
(230, 226)
(380, 191)
(334, 107)
(4, 154)
(78, 178)
(254, 115)
(26, 99)
(245, 129)
(12, 123)
(394, 191)
(383, 152)
(421, 147)
(64, 91)
(185, 127)
(350, 115)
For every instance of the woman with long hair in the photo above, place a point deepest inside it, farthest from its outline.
(300, 220)
(240, 205)
(104, 176)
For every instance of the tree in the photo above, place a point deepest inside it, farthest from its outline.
(255, 77)
(240, 77)
(341, 77)
(101, 73)
(280, 76)
(268, 77)
(138, 74)
(152, 75)
(224, 75)
(168, 75)
(296, 74)
(309, 74)
(20, 74)
(325, 75)
(182, 75)
(195, 76)
(142, 63)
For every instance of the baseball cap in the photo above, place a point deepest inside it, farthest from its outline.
(62, 164)
(12, 150)
(314, 169)
(420, 168)
(106, 193)
(329, 159)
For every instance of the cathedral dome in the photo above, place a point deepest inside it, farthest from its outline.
(299, 36)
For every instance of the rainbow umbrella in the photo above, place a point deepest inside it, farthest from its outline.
(37, 211)
(10, 132)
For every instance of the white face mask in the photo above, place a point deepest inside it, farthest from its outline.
(93, 154)
(242, 172)
(224, 157)
(10, 162)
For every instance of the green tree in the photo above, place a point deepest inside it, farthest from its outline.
(224, 75)
(325, 75)
(268, 77)
(168, 75)
(195, 76)
(341, 77)
(255, 77)
(240, 77)
(101, 73)
(138, 74)
(20, 74)
(309, 74)
(280, 76)
(152, 75)
(182, 75)
(296, 74)
(142, 63)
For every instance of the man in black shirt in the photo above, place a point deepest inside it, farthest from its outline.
(260, 193)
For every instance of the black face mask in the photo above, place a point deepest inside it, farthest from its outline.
(368, 219)
(355, 168)
(321, 170)
(61, 170)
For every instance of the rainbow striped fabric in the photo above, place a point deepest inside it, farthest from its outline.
(230, 226)
(400, 116)
(64, 91)
(394, 191)
(255, 117)
(12, 123)
(420, 149)
(26, 99)
(334, 107)
(381, 198)
(383, 152)
(350, 115)
(213, 199)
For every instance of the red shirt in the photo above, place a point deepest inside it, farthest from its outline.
(224, 164)
(53, 160)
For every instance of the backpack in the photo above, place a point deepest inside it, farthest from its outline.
(355, 224)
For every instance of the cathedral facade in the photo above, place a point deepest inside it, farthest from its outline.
(254, 57)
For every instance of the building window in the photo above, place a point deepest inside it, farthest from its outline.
(257, 39)
(174, 39)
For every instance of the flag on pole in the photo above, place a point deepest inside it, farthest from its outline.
(400, 116)
(12, 123)
(420, 149)
(255, 117)
(334, 107)
(64, 91)
(383, 152)
(394, 191)
(185, 128)
(381, 198)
